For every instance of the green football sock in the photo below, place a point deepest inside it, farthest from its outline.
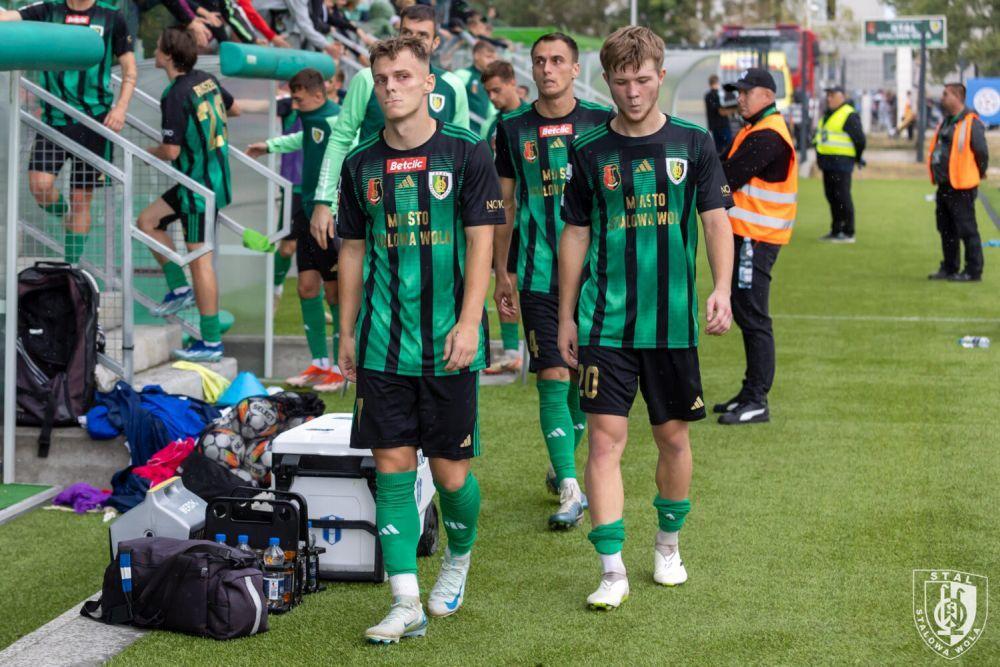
(397, 521)
(281, 266)
(175, 276)
(579, 416)
(508, 332)
(57, 208)
(211, 331)
(335, 315)
(460, 513)
(671, 513)
(608, 537)
(314, 322)
(73, 244)
(557, 427)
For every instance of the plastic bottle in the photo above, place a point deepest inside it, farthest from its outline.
(244, 546)
(274, 576)
(992, 243)
(220, 538)
(746, 264)
(974, 341)
(312, 565)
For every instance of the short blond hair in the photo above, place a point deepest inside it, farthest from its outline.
(630, 47)
(391, 48)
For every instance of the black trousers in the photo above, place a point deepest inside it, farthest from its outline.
(956, 222)
(751, 311)
(837, 187)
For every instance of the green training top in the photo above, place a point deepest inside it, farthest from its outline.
(479, 99)
(532, 150)
(362, 117)
(87, 90)
(412, 208)
(317, 127)
(640, 197)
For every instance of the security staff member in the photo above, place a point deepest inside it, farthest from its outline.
(957, 161)
(839, 141)
(762, 171)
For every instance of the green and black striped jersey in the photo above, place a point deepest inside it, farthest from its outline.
(532, 150)
(194, 117)
(317, 127)
(640, 197)
(87, 90)
(411, 208)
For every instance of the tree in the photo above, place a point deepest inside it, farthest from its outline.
(973, 36)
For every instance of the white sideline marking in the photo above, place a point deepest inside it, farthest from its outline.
(887, 318)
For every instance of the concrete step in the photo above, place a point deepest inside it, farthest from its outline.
(188, 383)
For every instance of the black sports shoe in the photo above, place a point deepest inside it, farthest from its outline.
(940, 274)
(828, 237)
(843, 238)
(720, 408)
(750, 412)
(964, 277)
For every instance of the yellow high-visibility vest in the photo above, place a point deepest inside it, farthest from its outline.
(830, 136)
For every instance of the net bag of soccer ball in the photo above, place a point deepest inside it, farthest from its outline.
(241, 440)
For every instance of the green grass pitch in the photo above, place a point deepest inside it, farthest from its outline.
(881, 457)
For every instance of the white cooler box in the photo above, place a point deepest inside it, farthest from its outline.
(338, 483)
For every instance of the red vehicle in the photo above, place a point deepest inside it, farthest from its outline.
(786, 37)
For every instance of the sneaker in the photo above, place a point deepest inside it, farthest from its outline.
(173, 302)
(940, 274)
(843, 238)
(510, 362)
(964, 277)
(731, 404)
(828, 237)
(199, 350)
(308, 377)
(406, 618)
(749, 412)
(669, 570)
(449, 591)
(330, 382)
(570, 512)
(610, 594)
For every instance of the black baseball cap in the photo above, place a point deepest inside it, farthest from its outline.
(835, 88)
(753, 77)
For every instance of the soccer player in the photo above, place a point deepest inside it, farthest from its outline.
(417, 202)
(483, 53)
(362, 116)
(88, 91)
(531, 148)
(195, 109)
(317, 266)
(500, 84)
(636, 189)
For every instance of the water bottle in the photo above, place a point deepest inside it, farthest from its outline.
(746, 264)
(274, 576)
(970, 342)
(244, 546)
(992, 243)
(220, 538)
(312, 576)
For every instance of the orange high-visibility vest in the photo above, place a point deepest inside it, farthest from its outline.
(765, 211)
(963, 172)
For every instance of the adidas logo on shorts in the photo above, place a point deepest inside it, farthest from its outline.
(698, 404)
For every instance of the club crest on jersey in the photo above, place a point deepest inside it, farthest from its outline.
(374, 191)
(677, 169)
(612, 178)
(436, 101)
(440, 184)
(318, 134)
(530, 150)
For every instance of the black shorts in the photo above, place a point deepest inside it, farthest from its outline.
(437, 414)
(308, 255)
(540, 315)
(670, 381)
(49, 158)
(194, 223)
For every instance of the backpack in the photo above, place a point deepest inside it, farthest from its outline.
(192, 586)
(58, 339)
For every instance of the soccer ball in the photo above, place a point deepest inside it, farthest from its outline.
(224, 446)
(258, 418)
(257, 461)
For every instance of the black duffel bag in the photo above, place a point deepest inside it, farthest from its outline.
(192, 586)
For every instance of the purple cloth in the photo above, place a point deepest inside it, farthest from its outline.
(81, 497)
